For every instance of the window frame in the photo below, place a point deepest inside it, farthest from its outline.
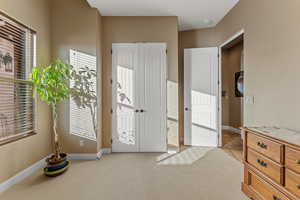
(26, 80)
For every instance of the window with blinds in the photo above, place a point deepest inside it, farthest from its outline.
(83, 118)
(17, 56)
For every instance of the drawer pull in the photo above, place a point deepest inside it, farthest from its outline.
(298, 187)
(298, 162)
(276, 198)
(262, 163)
(262, 145)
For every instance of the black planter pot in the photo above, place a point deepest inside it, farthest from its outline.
(56, 168)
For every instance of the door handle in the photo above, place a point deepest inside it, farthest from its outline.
(186, 109)
(137, 111)
(262, 145)
(142, 110)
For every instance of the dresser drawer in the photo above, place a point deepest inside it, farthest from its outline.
(292, 182)
(263, 188)
(250, 192)
(272, 150)
(265, 165)
(292, 159)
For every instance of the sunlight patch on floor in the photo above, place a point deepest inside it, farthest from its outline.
(185, 157)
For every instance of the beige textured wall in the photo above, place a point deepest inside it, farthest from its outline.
(272, 46)
(19, 155)
(135, 29)
(271, 54)
(74, 26)
(231, 105)
(100, 49)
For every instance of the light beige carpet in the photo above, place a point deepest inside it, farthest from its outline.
(213, 176)
(186, 157)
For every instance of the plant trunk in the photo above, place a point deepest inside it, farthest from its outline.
(56, 140)
(93, 114)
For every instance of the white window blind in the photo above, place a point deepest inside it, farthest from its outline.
(81, 119)
(16, 91)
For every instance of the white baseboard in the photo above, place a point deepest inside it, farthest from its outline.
(99, 154)
(89, 156)
(82, 156)
(42, 163)
(106, 151)
(230, 128)
(22, 175)
(181, 140)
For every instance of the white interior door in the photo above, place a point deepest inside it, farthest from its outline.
(139, 98)
(201, 96)
(152, 94)
(124, 98)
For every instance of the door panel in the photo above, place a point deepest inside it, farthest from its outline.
(139, 98)
(125, 101)
(201, 92)
(153, 98)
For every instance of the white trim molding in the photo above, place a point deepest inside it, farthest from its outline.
(99, 154)
(22, 175)
(89, 156)
(232, 129)
(236, 35)
(83, 156)
(42, 163)
(106, 151)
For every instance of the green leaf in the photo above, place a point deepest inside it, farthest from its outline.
(52, 81)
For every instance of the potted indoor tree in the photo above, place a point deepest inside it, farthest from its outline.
(52, 85)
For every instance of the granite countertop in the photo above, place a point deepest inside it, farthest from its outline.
(283, 134)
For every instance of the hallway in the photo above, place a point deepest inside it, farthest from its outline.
(233, 144)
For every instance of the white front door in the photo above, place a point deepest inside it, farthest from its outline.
(139, 97)
(201, 96)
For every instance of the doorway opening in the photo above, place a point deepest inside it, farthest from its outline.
(232, 95)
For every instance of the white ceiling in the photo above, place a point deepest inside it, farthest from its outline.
(192, 14)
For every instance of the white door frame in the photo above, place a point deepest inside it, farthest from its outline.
(164, 90)
(232, 38)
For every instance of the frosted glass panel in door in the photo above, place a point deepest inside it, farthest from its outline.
(125, 138)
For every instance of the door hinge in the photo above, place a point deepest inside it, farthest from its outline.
(111, 81)
(111, 111)
(111, 51)
(111, 141)
(166, 51)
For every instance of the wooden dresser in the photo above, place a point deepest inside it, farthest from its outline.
(271, 163)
